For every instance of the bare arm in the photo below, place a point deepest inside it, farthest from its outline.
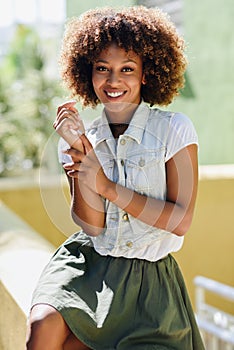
(174, 215)
(87, 207)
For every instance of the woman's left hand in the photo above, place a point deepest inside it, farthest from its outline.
(87, 168)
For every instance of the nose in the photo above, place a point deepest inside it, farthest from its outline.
(113, 78)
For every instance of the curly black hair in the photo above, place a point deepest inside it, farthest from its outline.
(147, 32)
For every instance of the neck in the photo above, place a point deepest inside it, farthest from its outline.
(118, 129)
(120, 113)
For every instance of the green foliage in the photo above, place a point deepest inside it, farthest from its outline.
(28, 97)
(187, 91)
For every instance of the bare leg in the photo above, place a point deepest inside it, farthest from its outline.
(47, 330)
(72, 343)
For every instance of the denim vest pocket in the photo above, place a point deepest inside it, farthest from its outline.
(146, 171)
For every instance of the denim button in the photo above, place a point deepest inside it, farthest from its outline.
(141, 162)
(129, 244)
(125, 217)
(122, 142)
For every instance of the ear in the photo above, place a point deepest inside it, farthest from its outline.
(143, 80)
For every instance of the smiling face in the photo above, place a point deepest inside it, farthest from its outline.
(117, 78)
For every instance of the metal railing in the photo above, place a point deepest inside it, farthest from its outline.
(217, 326)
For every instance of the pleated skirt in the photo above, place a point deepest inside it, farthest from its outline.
(117, 303)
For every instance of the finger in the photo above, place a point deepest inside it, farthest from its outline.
(77, 156)
(71, 166)
(87, 144)
(69, 104)
(66, 113)
(72, 173)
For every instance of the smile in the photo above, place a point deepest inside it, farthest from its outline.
(115, 94)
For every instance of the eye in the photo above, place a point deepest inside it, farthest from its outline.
(101, 69)
(127, 69)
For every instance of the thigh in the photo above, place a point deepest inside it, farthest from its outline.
(73, 343)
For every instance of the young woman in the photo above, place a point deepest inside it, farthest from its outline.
(133, 183)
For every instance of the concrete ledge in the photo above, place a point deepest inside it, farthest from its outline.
(23, 255)
(12, 322)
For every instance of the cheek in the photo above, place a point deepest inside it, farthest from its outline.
(136, 83)
(95, 85)
(94, 81)
(97, 82)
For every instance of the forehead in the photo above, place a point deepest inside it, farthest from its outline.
(115, 53)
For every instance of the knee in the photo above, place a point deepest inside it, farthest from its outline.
(43, 322)
(38, 324)
(34, 333)
(42, 317)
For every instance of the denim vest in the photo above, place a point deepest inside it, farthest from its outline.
(137, 161)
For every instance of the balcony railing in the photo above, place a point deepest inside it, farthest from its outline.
(217, 326)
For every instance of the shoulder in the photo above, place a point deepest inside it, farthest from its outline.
(179, 120)
(182, 127)
(169, 117)
(174, 129)
(181, 133)
(168, 122)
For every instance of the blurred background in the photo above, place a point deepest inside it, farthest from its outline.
(34, 199)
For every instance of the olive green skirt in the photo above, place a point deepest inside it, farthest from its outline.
(118, 303)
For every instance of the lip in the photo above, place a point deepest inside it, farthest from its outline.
(114, 95)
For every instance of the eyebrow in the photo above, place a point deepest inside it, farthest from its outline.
(123, 62)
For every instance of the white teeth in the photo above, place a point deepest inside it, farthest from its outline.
(114, 94)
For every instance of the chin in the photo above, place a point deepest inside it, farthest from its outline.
(117, 106)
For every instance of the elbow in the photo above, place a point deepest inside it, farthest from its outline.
(182, 228)
(180, 231)
(91, 229)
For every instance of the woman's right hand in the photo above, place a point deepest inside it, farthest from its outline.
(69, 125)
